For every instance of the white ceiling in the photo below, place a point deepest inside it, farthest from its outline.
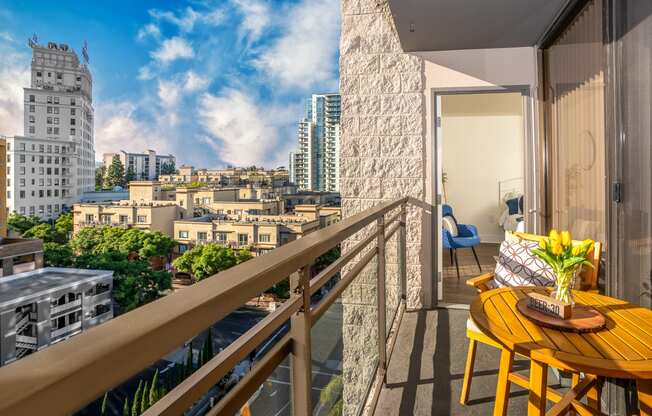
(436, 25)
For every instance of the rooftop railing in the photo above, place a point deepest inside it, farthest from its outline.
(69, 375)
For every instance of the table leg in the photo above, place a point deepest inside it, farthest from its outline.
(502, 388)
(538, 385)
(644, 388)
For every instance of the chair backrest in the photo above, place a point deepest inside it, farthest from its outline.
(447, 210)
(589, 275)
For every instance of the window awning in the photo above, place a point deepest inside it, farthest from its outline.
(437, 25)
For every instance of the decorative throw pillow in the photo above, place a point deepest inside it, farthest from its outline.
(450, 225)
(517, 266)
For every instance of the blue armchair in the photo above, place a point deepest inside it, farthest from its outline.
(467, 237)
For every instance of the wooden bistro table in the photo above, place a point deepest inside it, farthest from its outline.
(623, 349)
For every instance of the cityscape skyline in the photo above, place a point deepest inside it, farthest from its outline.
(230, 78)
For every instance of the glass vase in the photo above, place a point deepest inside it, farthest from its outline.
(564, 284)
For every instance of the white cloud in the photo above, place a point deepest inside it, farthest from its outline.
(14, 75)
(118, 128)
(187, 19)
(194, 82)
(241, 131)
(149, 30)
(172, 49)
(256, 17)
(304, 56)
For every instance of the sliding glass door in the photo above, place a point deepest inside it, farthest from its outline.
(632, 222)
(574, 79)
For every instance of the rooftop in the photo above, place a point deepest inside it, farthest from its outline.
(41, 281)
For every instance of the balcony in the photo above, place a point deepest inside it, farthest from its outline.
(66, 306)
(66, 330)
(131, 342)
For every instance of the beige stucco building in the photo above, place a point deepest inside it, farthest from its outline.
(258, 233)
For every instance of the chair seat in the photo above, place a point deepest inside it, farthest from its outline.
(459, 242)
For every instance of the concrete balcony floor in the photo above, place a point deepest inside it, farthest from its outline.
(427, 367)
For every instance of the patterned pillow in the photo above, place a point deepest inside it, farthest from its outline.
(449, 224)
(517, 266)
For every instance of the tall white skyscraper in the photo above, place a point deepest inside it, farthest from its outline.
(315, 164)
(53, 163)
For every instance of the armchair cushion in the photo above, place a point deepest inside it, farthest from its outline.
(517, 266)
(450, 225)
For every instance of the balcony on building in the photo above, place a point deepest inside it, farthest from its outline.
(382, 330)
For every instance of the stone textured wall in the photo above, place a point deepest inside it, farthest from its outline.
(382, 158)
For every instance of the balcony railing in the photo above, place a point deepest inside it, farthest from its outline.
(67, 376)
(66, 306)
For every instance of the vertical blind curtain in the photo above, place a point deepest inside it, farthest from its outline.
(575, 120)
(634, 19)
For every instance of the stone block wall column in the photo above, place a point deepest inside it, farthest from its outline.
(382, 157)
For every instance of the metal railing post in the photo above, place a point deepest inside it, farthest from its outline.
(301, 360)
(402, 247)
(380, 289)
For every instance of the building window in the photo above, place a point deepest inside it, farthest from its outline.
(183, 248)
(72, 101)
(183, 234)
(32, 119)
(49, 99)
(72, 111)
(221, 237)
(141, 219)
(56, 100)
(105, 219)
(202, 236)
(243, 239)
(89, 218)
(72, 122)
(32, 108)
(32, 130)
(47, 120)
(32, 98)
(124, 219)
(264, 238)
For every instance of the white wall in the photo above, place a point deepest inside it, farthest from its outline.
(483, 137)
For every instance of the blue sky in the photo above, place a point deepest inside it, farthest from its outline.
(213, 82)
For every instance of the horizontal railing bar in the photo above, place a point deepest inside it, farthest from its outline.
(325, 275)
(194, 387)
(139, 338)
(242, 392)
(340, 286)
(393, 219)
(391, 231)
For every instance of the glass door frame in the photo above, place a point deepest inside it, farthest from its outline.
(533, 154)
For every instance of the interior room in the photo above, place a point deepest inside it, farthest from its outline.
(482, 154)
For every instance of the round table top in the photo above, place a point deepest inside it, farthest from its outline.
(622, 349)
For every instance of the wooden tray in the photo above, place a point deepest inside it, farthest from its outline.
(583, 319)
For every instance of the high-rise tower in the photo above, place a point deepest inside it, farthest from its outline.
(315, 163)
(53, 163)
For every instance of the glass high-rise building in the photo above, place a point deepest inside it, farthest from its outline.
(315, 165)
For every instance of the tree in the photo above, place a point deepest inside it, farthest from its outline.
(100, 173)
(144, 400)
(125, 407)
(115, 174)
(154, 390)
(208, 259)
(135, 283)
(64, 224)
(58, 255)
(103, 408)
(168, 168)
(21, 223)
(330, 397)
(135, 406)
(46, 232)
(130, 175)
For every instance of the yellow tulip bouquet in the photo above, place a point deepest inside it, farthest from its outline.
(565, 259)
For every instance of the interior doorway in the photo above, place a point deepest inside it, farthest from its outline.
(480, 152)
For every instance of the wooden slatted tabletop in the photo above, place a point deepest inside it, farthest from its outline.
(623, 349)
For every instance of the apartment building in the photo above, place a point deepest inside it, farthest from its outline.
(149, 208)
(146, 166)
(257, 233)
(274, 206)
(3, 187)
(185, 174)
(45, 306)
(330, 199)
(53, 163)
(258, 177)
(19, 255)
(315, 163)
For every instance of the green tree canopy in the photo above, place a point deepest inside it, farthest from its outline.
(100, 173)
(115, 174)
(64, 223)
(130, 175)
(207, 259)
(168, 168)
(58, 255)
(100, 240)
(46, 232)
(21, 223)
